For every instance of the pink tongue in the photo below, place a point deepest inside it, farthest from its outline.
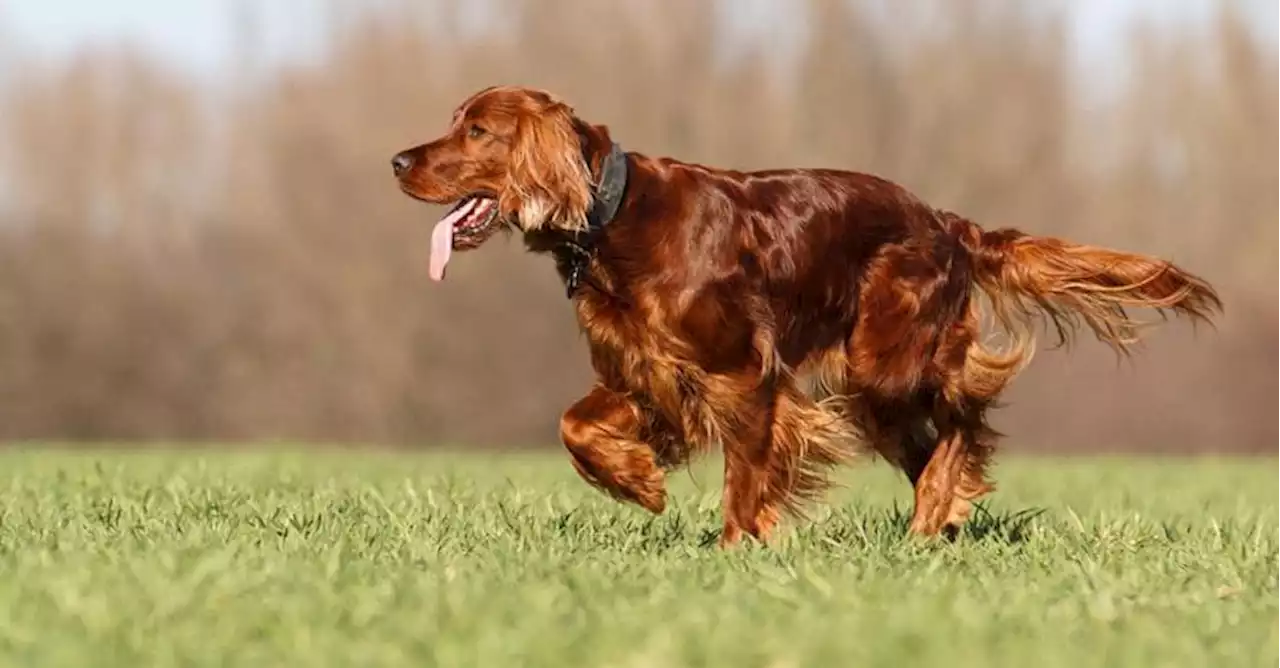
(441, 248)
(442, 239)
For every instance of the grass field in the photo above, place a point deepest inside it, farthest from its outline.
(239, 559)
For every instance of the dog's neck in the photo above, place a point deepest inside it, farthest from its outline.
(576, 252)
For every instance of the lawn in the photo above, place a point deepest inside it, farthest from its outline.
(382, 559)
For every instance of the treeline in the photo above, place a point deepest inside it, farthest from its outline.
(227, 259)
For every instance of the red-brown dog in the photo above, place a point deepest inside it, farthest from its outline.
(786, 315)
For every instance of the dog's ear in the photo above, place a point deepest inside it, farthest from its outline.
(548, 182)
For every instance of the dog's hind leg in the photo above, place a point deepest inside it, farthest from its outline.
(954, 474)
(603, 432)
(901, 432)
(952, 478)
(945, 468)
(916, 364)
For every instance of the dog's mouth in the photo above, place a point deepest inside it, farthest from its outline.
(472, 220)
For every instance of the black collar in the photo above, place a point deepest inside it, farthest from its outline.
(580, 247)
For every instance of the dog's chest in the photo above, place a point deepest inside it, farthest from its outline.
(637, 349)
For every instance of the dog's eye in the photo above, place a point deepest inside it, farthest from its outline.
(475, 132)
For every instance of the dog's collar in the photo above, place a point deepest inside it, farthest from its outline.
(604, 206)
(608, 196)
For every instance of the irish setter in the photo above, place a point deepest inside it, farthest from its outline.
(790, 316)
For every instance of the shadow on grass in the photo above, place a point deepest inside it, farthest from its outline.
(1009, 528)
(846, 528)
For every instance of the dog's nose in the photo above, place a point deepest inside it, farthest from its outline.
(401, 163)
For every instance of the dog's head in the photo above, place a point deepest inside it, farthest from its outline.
(512, 156)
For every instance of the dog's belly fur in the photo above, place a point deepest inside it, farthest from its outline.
(635, 353)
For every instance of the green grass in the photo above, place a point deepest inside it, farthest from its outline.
(239, 559)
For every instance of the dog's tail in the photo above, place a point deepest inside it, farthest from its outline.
(1026, 278)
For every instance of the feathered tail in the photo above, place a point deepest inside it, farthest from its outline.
(1027, 279)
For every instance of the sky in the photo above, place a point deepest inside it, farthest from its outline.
(195, 34)
(198, 34)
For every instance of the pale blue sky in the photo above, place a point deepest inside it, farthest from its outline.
(199, 33)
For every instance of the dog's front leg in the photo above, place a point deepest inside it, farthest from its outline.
(742, 408)
(602, 432)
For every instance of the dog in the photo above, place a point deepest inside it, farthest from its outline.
(794, 317)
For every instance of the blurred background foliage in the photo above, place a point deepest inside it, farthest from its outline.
(227, 258)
